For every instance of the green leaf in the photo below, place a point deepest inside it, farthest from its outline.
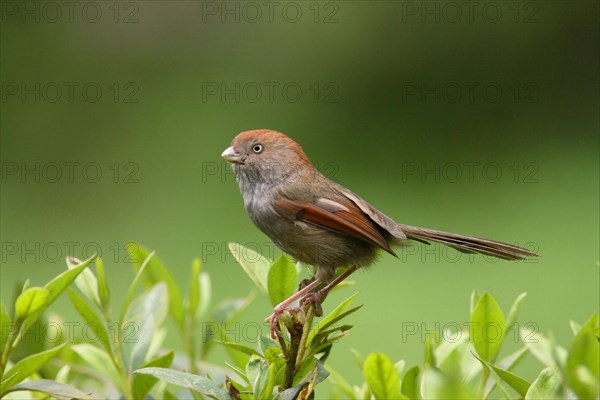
(545, 386)
(157, 272)
(411, 384)
(5, 326)
(198, 383)
(103, 290)
(475, 296)
(515, 381)
(30, 301)
(429, 351)
(487, 328)
(51, 388)
(97, 359)
(255, 265)
(540, 347)
(239, 347)
(26, 367)
(323, 323)
(583, 369)
(381, 376)
(91, 317)
(55, 287)
(282, 279)
(137, 338)
(142, 384)
(514, 310)
(193, 299)
(230, 309)
(132, 288)
(205, 295)
(439, 386)
(86, 281)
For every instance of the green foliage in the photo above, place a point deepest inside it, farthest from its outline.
(129, 359)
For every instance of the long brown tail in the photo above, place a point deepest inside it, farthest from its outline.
(467, 244)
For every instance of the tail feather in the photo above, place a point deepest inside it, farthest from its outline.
(468, 244)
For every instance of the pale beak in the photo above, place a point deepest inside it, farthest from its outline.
(232, 156)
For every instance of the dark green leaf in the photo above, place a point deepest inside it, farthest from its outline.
(411, 384)
(103, 290)
(92, 318)
(330, 317)
(282, 279)
(26, 367)
(51, 388)
(157, 272)
(487, 328)
(381, 376)
(198, 383)
(142, 384)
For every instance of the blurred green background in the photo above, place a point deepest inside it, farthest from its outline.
(480, 120)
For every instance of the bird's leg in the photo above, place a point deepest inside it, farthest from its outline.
(316, 297)
(283, 306)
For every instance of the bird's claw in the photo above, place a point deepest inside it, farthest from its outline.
(314, 298)
(273, 320)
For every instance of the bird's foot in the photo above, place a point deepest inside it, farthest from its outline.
(315, 298)
(273, 319)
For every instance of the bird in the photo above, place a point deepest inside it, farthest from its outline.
(322, 223)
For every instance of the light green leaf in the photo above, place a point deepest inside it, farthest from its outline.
(229, 310)
(487, 328)
(5, 326)
(430, 351)
(381, 376)
(515, 381)
(198, 383)
(282, 279)
(92, 318)
(30, 301)
(240, 347)
(546, 386)
(411, 384)
(514, 310)
(142, 384)
(137, 337)
(51, 388)
(323, 323)
(205, 295)
(55, 287)
(540, 347)
(193, 299)
(583, 361)
(475, 296)
(255, 265)
(103, 290)
(157, 272)
(132, 289)
(86, 281)
(26, 367)
(97, 359)
(438, 386)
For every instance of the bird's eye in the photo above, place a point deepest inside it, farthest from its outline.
(257, 148)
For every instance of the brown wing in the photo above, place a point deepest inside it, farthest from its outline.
(345, 218)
